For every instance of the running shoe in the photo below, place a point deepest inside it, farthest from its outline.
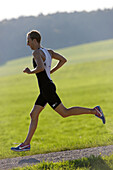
(21, 147)
(99, 110)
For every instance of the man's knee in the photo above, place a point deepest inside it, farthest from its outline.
(31, 114)
(35, 111)
(64, 115)
(34, 114)
(62, 111)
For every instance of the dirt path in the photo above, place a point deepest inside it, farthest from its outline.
(6, 164)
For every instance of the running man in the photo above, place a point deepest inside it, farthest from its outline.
(42, 58)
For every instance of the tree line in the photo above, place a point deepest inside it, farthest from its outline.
(58, 30)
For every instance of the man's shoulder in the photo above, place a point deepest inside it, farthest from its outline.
(36, 52)
(50, 51)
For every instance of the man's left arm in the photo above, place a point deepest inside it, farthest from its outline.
(61, 61)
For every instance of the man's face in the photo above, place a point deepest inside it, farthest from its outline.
(30, 42)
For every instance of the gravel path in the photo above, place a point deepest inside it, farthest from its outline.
(6, 164)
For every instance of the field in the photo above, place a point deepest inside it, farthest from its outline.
(86, 80)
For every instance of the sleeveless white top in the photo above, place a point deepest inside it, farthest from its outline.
(47, 62)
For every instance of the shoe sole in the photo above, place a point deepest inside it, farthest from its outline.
(23, 150)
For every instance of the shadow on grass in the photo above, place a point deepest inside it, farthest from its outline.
(91, 163)
(28, 161)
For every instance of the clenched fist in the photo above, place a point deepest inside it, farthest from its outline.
(27, 70)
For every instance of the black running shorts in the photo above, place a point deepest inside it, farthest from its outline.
(48, 95)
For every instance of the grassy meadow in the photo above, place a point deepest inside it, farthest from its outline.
(86, 80)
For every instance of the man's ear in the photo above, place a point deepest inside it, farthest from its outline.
(34, 40)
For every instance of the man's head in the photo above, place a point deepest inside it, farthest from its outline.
(33, 39)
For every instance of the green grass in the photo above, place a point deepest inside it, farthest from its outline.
(86, 80)
(90, 163)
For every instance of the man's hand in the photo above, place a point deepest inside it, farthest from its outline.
(27, 70)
